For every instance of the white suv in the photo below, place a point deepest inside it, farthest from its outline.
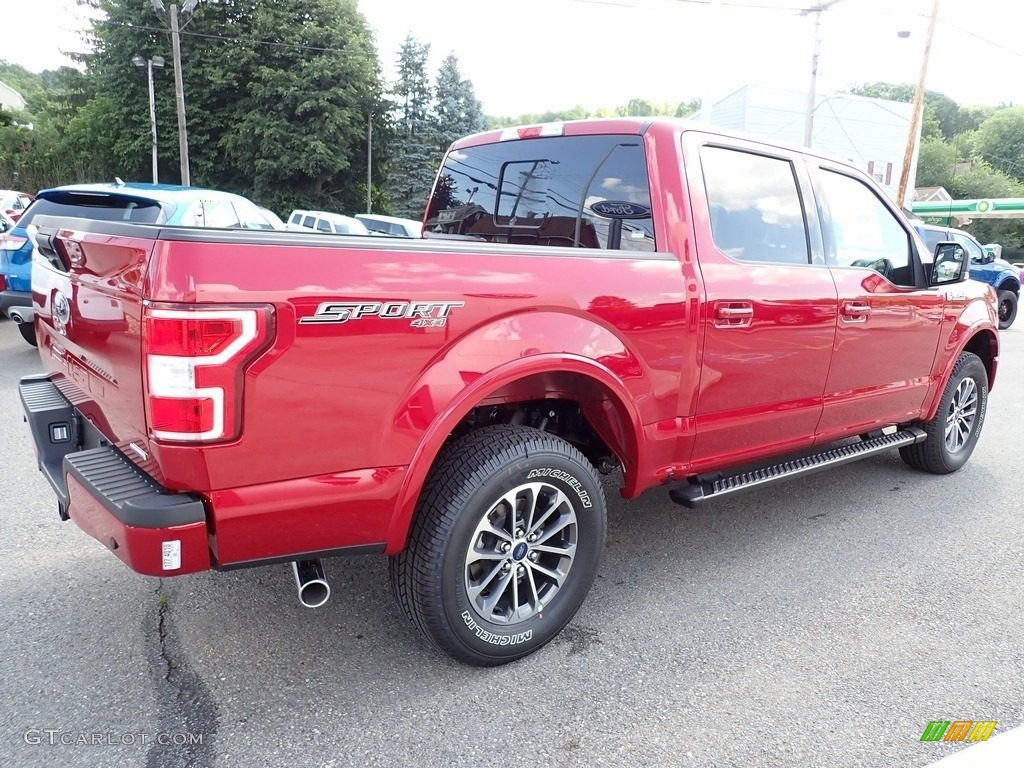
(321, 221)
(391, 225)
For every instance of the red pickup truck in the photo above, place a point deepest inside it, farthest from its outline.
(703, 311)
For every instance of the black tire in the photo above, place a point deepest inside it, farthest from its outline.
(433, 576)
(28, 333)
(936, 454)
(1007, 309)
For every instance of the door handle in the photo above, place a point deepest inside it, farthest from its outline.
(733, 314)
(855, 311)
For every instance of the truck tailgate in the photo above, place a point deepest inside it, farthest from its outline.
(87, 290)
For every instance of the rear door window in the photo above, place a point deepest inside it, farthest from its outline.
(250, 216)
(756, 212)
(309, 222)
(220, 214)
(578, 191)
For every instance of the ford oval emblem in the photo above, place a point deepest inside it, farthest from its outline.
(61, 309)
(620, 209)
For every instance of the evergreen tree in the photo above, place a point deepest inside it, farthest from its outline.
(415, 154)
(305, 105)
(458, 112)
(278, 94)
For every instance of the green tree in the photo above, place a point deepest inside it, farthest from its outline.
(457, 111)
(1001, 141)
(935, 163)
(941, 114)
(415, 153)
(304, 106)
(278, 96)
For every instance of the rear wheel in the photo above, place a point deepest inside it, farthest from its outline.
(1007, 309)
(28, 333)
(954, 430)
(505, 544)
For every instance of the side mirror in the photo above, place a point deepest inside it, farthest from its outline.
(950, 264)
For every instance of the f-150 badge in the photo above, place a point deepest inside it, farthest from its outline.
(423, 314)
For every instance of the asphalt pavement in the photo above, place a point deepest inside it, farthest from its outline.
(822, 622)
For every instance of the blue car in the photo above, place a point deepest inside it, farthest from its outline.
(985, 267)
(117, 201)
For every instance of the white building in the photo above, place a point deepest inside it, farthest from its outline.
(870, 133)
(10, 99)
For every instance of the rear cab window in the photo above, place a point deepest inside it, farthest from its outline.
(576, 191)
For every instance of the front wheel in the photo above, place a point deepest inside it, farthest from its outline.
(954, 430)
(505, 544)
(1007, 309)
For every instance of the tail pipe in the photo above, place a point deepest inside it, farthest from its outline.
(311, 583)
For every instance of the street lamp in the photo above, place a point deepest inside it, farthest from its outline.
(156, 61)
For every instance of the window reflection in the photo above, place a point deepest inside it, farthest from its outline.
(542, 192)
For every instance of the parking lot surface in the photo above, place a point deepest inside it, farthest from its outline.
(822, 622)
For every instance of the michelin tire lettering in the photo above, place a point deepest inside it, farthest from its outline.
(565, 477)
(423, 314)
(493, 639)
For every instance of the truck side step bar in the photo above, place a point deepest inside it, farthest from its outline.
(701, 489)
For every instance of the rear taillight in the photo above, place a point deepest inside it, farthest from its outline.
(11, 242)
(195, 361)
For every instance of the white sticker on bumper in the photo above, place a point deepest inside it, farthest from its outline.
(172, 555)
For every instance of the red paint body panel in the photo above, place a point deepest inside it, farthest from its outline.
(139, 548)
(342, 421)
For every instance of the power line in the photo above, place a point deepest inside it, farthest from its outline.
(231, 39)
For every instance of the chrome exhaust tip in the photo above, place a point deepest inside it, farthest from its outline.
(311, 583)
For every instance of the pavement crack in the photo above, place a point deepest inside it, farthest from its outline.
(187, 719)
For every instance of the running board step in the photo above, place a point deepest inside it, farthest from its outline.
(703, 488)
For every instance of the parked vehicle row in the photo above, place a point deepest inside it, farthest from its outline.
(115, 201)
(325, 222)
(14, 203)
(986, 266)
(360, 224)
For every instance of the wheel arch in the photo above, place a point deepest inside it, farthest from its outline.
(1008, 282)
(604, 399)
(983, 341)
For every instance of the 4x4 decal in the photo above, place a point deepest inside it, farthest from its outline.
(424, 314)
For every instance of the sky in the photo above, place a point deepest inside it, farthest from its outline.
(538, 55)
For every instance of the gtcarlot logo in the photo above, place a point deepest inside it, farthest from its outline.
(54, 736)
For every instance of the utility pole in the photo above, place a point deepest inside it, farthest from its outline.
(915, 116)
(179, 88)
(714, 26)
(179, 97)
(811, 95)
(369, 163)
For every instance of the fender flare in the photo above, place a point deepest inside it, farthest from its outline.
(968, 336)
(494, 380)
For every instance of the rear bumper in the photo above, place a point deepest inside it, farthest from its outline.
(10, 299)
(152, 530)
